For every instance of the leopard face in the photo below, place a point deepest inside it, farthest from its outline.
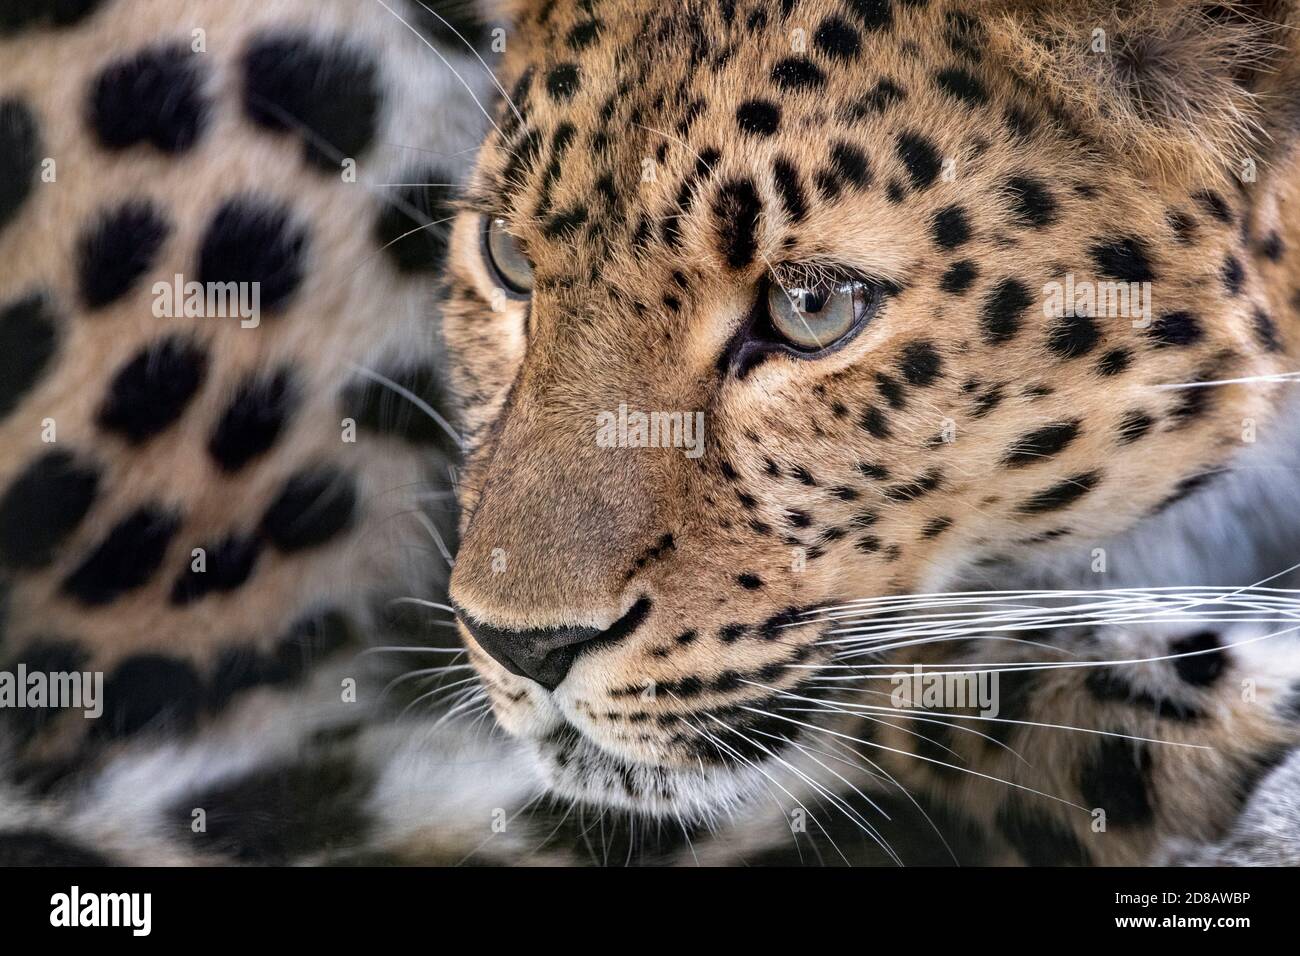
(835, 230)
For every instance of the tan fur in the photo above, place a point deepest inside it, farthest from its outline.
(1189, 95)
(352, 309)
(571, 519)
(560, 532)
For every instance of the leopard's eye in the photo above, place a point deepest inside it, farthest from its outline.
(505, 259)
(814, 316)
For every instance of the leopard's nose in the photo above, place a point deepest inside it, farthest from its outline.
(546, 654)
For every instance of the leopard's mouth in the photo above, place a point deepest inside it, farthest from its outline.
(693, 749)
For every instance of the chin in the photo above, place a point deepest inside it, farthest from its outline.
(576, 769)
(704, 788)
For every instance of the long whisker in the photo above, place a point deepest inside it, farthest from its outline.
(510, 819)
(952, 598)
(326, 147)
(1246, 380)
(839, 803)
(941, 763)
(424, 603)
(411, 650)
(977, 668)
(902, 789)
(414, 399)
(736, 755)
(430, 527)
(428, 672)
(436, 52)
(808, 751)
(861, 710)
(487, 69)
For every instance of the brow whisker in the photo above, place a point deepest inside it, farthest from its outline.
(487, 69)
(436, 52)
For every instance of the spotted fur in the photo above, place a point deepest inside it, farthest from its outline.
(963, 156)
(658, 165)
(186, 503)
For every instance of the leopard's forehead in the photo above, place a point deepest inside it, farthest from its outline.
(774, 118)
(615, 129)
(657, 163)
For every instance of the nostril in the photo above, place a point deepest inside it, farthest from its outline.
(546, 654)
(541, 654)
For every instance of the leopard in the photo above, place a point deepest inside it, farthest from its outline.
(681, 387)
(221, 229)
(840, 232)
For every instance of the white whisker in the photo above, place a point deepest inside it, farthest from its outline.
(456, 73)
(486, 69)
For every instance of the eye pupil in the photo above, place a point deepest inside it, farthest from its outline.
(812, 300)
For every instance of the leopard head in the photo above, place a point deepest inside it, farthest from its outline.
(760, 307)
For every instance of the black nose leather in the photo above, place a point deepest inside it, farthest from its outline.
(546, 654)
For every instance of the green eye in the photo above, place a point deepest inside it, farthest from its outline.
(505, 259)
(814, 316)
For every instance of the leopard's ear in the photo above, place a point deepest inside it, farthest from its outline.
(1185, 87)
